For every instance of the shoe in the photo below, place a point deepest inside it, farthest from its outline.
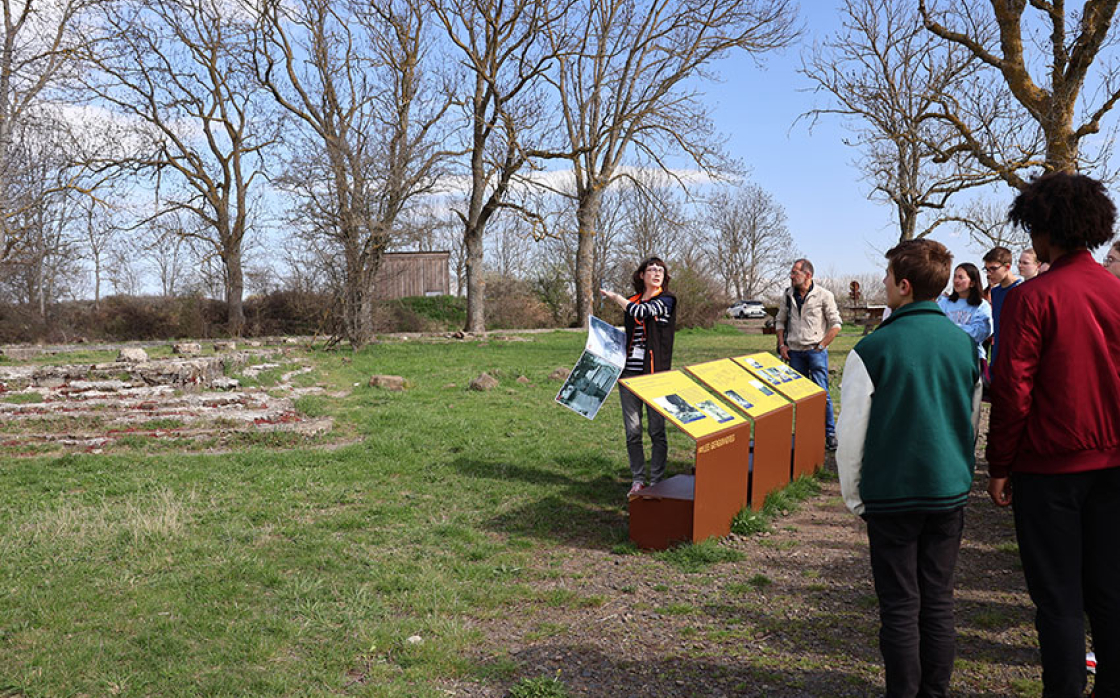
(1091, 662)
(635, 488)
(830, 443)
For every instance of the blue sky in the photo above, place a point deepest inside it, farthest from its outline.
(811, 174)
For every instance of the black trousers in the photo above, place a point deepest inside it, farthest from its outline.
(1068, 527)
(913, 557)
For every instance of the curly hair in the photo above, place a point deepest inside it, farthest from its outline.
(1073, 210)
(640, 283)
(924, 262)
(975, 286)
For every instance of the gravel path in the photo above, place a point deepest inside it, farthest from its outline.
(796, 617)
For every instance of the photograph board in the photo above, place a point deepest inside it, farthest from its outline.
(738, 387)
(684, 403)
(596, 371)
(779, 376)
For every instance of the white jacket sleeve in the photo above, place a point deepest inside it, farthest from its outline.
(856, 390)
(977, 395)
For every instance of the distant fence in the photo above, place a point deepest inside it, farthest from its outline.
(405, 274)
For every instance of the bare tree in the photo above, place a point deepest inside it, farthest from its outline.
(626, 79)
(44, 264)
(178, 70)
(38, 47)
(749, 245)
(99, 230)
(1002, 37)
(987, 225)
(887, 78)
(352, 75)
(653, 217)
(498, 45)
(167, 253)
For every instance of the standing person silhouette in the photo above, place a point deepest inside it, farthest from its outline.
(651, 322)
(1054, 438)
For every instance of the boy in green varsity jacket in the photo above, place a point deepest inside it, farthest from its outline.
(910, 400)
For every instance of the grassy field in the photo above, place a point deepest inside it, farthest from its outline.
(349, 570)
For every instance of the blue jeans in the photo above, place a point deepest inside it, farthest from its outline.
(814, 364)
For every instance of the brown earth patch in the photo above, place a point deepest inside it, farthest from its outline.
(796, 617)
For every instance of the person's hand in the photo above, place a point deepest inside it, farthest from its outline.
(999, 489)
(783, 349)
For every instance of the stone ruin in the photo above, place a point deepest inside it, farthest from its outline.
(189, 399)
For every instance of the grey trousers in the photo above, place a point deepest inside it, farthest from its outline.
(632, 421)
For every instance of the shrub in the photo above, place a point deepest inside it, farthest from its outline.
(702, 301)
(512, 304)
(289, 313)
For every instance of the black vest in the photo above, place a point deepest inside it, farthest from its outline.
(659, 336)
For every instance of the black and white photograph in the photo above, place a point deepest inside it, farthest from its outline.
(715, 411)
(679, 409)
(588, 385)
(607, 341)
(739, 399)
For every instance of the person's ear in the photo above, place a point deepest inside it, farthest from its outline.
(904, 288)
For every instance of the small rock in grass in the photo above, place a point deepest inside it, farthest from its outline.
(560, 374)
(225, 383)
(132, 355)
(523, 380)
(394, 383)
(415, 640)
(225, 345)
(484, 382)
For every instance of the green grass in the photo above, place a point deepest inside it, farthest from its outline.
(760, 581)
(22, 398)
(779, 503)
(697, 557)
(539, 687)
(266, 572)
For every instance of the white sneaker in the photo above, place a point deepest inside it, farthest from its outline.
(635, 488)
(1091, 662)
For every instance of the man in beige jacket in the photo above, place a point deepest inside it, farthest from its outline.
(808, 320)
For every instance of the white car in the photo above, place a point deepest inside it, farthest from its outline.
(747, 309)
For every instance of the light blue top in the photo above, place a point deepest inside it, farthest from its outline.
(976, 320)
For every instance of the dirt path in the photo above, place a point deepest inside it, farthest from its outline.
(796, 617)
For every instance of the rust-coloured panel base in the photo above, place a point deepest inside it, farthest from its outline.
(808, 441)
(722, 463)
(661, 515)
(771, 470)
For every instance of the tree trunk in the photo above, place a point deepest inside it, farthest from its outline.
(907, 220)
(586, 216)
(97, 281)
(235, 291)
(357, 298)
(476, 282)
(1061, 147)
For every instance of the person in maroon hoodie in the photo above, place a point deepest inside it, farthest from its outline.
(1054, 439)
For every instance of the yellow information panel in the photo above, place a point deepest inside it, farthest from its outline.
(741, 388)
(683, 402)
(771, 369)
